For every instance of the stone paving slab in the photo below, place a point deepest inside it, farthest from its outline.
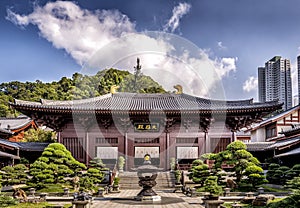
(124, 199)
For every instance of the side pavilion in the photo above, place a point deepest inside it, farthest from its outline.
(169, 125)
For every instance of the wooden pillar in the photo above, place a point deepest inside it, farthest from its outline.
(58, 137)
(233, 136)
(167, 165)
(205, 140)
(207, 143)
(126, 151)
(87, 148)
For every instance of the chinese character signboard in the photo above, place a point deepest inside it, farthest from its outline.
(147, 127)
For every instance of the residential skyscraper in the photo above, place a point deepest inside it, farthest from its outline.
(298, 67)
(261, 84)
(274, 81)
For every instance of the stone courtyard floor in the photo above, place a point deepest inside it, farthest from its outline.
(124, 199)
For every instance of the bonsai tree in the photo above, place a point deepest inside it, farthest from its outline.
(199, 172)
(97, 163)
(293, 172)
(95, 175)
(54, 165)
(271, 176)
(292, 200)
(86, 184)
(211, 186)
(121, 163)
(237, 156)
(255, 175)
(278, 174)
(14, 175)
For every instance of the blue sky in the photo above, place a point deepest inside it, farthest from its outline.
(229, 39)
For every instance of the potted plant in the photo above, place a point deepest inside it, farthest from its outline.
(177, 176)
(116, 184)
(121, 163)
(172, 163)
(100, 191)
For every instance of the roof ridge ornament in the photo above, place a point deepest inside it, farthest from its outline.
(178, 88)
(113, 89)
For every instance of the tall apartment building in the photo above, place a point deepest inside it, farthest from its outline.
(298, 67)
(261, 84)
(274, 81)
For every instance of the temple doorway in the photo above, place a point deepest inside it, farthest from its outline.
(140, 152)
(186, 155)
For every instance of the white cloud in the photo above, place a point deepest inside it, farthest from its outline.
(225, 66)
(106, 38)
(221, 46)
(80, 32)
(250, 84)
(194, 70)
(178, 12)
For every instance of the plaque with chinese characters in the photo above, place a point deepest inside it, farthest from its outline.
(146, 127)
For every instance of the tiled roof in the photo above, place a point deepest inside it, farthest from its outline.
(6, 131)
(274, 118)
(5, 154)
(146, 102)
(292, 152)
(25, 146)
(295, 128)
(258, 146)
(14, 123)
(283, 143)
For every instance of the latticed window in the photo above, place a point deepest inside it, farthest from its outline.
(74, 145)
(187, 140)
(271, 132)
(146, 140)
(219, 144)
(107, 140)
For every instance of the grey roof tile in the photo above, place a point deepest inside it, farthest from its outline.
(146, 102)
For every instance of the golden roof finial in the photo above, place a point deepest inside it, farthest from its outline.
(179, 89)
(113, 89)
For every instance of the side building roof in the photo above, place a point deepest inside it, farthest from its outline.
(25, 146)
(14, 124)
(274, 118)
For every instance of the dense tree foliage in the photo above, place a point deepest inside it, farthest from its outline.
(292, 201)
(211, 186)
(281, 174)
(39, 135)
(240, 159)
(78, 87)
(14, 175)
(255, 175)
(199, 172)
(54, 165)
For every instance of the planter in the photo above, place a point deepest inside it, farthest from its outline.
(213, 203)
(101, 192)
(81, 204)
(66, 192)
(211, 197)
(32, 191)
(116, 188)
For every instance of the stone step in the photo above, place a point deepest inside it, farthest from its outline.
(129, 180)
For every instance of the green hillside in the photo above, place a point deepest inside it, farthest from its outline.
(78, 87)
